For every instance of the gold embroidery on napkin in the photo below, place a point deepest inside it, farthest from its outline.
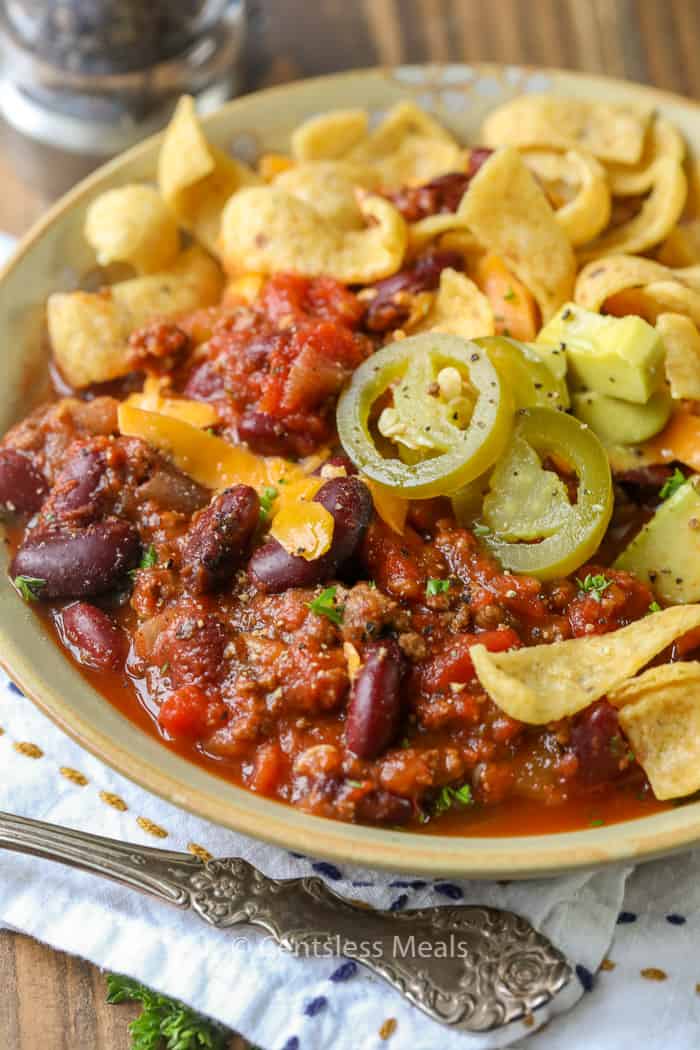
(151, 828)
(200, 852)
(114, 800)
(388, 1028)
(29, 750)
(74, 775)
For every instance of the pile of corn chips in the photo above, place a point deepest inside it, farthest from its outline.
(578, 200)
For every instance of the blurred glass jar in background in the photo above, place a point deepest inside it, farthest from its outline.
(82, 80)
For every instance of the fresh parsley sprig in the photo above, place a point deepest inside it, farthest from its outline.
(164, 1024)
(29, 587)
(325, 605)
(436, 586)
(480, 529)
(450, 797)
(672, 484)
(594, 585)
(149, 559)
(267, 498)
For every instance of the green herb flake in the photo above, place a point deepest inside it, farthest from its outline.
(654, 607)
(267, 498)
(435, 586)
(354, 783)
(593, 585)
(325, 605)
(479, 529)
(30, 587)
(164, 1024)
(451, 797)
(149, 558)
(596, 822)
(672, 484)
(510, 296)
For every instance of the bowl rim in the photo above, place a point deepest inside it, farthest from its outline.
(512, 857)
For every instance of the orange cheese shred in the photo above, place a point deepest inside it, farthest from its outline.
(302, 527)
(390, 507)
(153, 399)
(513, 306)
(679, 440)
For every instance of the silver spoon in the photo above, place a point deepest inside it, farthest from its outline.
(496, 968)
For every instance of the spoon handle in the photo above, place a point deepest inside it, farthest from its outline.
(469, 967)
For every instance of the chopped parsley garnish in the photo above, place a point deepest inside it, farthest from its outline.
(436, 586)
(654, 607)
(30, 587)
(267, 498)
(596, 822)
(325, 605)
(479, 529)
(164, 1024)
(149, 559)
(510, 296)
(354, 783)
(593, 585)
(450, 796)
(672, 484)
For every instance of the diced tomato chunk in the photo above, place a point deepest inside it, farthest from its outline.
(269, 768)
(281, 360)
(189, 713)
(454, 664)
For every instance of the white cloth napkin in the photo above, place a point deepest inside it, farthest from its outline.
(239, 976)
(651, 916)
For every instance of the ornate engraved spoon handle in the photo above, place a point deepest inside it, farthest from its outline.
(469, 967)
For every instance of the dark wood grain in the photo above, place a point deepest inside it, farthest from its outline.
(49, 1001)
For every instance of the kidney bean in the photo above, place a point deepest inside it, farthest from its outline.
(95, 640)
(22, 487)
(374, 710)
(80, 563)
(440, 195)
(387, 310)
(477, 159)
(598, 742)
(75, 492)
(350, 503)
(264, 434)
(218, 538)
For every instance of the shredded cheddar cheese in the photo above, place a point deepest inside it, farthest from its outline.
(390, 507)
(153, 399)
(245, 288)
(302, 527)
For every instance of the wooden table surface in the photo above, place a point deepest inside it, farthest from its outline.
(49, 1001)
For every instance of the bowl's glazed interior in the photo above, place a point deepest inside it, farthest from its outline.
(54, 256)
